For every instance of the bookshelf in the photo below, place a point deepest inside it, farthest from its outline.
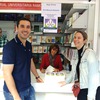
(41, 43)
(44, 40)
(74, 20)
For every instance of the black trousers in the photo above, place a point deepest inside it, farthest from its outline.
(98, 93)
(82, 94)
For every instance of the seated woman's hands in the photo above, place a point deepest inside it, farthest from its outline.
(42, 70)
(56, 70)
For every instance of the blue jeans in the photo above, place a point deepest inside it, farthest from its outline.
(28, 94)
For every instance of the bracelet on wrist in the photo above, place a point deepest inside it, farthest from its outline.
(37, 77)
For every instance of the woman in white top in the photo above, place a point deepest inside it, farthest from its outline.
(85, 71)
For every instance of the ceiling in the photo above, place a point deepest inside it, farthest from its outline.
(66, 8)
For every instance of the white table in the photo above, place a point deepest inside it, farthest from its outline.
(46, 91)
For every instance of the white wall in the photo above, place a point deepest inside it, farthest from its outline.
(90, 28)
(98, 42)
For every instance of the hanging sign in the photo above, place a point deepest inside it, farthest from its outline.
(50, 24)
(51, 12)
(51, 8)
(20, 6)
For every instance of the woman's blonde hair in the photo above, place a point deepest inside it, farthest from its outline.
(84, 34)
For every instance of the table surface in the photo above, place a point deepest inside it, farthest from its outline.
(50, 87)
(45, 91)
(44, 87)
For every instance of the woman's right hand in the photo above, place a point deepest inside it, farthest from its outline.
(77, 84)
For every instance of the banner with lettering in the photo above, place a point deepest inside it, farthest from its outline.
(20, 6)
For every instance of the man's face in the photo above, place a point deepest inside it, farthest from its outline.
(24, 29)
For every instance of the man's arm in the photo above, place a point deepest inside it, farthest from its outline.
(7, 73)
(34, 71)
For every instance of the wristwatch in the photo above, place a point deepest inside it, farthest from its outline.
(37, 77)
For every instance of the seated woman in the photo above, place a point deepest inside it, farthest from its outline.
(52, 58)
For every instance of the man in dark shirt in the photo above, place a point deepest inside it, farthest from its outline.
(17, 63)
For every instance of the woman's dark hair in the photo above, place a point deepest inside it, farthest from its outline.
(54, 46)
(25, 19)
(84, 34)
